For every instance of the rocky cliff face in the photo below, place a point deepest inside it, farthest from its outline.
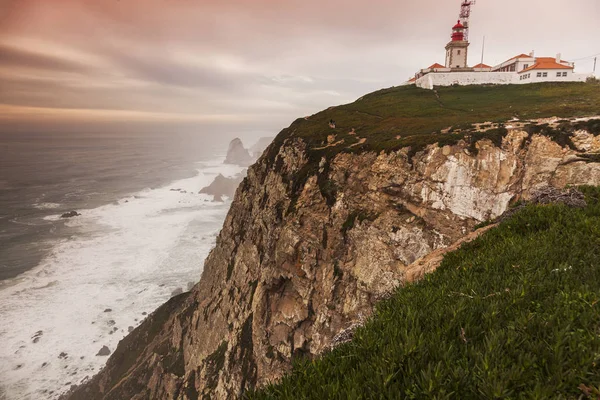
(306, 252)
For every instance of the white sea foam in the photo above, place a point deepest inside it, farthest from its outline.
(46, 206)
(128, 257)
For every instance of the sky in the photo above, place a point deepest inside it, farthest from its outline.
(246, 65)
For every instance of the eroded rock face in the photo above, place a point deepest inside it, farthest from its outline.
(292, 268)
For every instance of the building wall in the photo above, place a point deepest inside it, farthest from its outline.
(515, 65)
(551, 76)
(465, 78)
(457, 54)
(498, 78)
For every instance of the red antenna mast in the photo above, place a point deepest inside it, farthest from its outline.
(465, 14)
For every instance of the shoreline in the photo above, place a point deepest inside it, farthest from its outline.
(148, 270)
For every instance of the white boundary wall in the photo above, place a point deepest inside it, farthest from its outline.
(480, 78)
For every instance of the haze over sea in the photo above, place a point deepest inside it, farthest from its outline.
(68, 287)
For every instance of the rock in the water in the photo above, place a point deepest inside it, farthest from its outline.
(104, 351)
(129, 328)
(222, 186)
(177, 291)
(257, 148)
(37, 336)
(237, 154)
(108, 310)
(70, 214)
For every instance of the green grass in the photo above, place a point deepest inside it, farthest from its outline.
(514, 314)
(410, 112)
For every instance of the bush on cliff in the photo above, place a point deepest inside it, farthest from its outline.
(514, 314)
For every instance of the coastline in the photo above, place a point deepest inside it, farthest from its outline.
(163, 235)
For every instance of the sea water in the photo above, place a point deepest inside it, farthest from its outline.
(83, 283)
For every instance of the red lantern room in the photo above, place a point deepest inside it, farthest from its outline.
(458, 32)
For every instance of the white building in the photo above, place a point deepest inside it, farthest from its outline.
(521, 69)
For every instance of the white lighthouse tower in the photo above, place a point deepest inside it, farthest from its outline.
(457, 49)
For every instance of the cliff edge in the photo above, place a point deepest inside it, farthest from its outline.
(329, 220)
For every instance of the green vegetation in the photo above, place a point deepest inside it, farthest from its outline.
(410, 112)
(410, 117)
(513, 314)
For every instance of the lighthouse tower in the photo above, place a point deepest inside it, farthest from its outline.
(457, 49)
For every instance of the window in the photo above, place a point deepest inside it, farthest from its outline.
(564, 74)
(559, 74)
(525, 66)
(458, 52)
(539, 74)
(545, 74)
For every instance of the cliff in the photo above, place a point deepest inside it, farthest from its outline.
(329, 220)
(512, 314)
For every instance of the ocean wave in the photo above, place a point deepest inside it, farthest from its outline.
(46, 206)
(125, 259)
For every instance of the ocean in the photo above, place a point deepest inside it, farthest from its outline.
(69, 287)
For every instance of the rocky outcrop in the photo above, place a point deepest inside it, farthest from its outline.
(237, 154)
(306, 251)
(222, 186)
(70, 214)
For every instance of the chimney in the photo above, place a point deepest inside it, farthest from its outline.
(558, 58)
(532, 54)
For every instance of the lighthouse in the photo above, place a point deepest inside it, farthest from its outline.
(457, 48)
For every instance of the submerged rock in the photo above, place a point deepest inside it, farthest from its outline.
(104, 351)
(70, 214)
(38, 335)
(222, 186)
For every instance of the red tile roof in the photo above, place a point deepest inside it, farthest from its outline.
(413, 79)
(546, 63)
(436, 65)
(481, 65)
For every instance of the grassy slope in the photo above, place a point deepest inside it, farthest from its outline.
(514, 314)
(412, 112)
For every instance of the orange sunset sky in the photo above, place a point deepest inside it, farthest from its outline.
(193, 64)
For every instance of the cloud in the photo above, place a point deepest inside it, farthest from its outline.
(22, 58)
(269, 59)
